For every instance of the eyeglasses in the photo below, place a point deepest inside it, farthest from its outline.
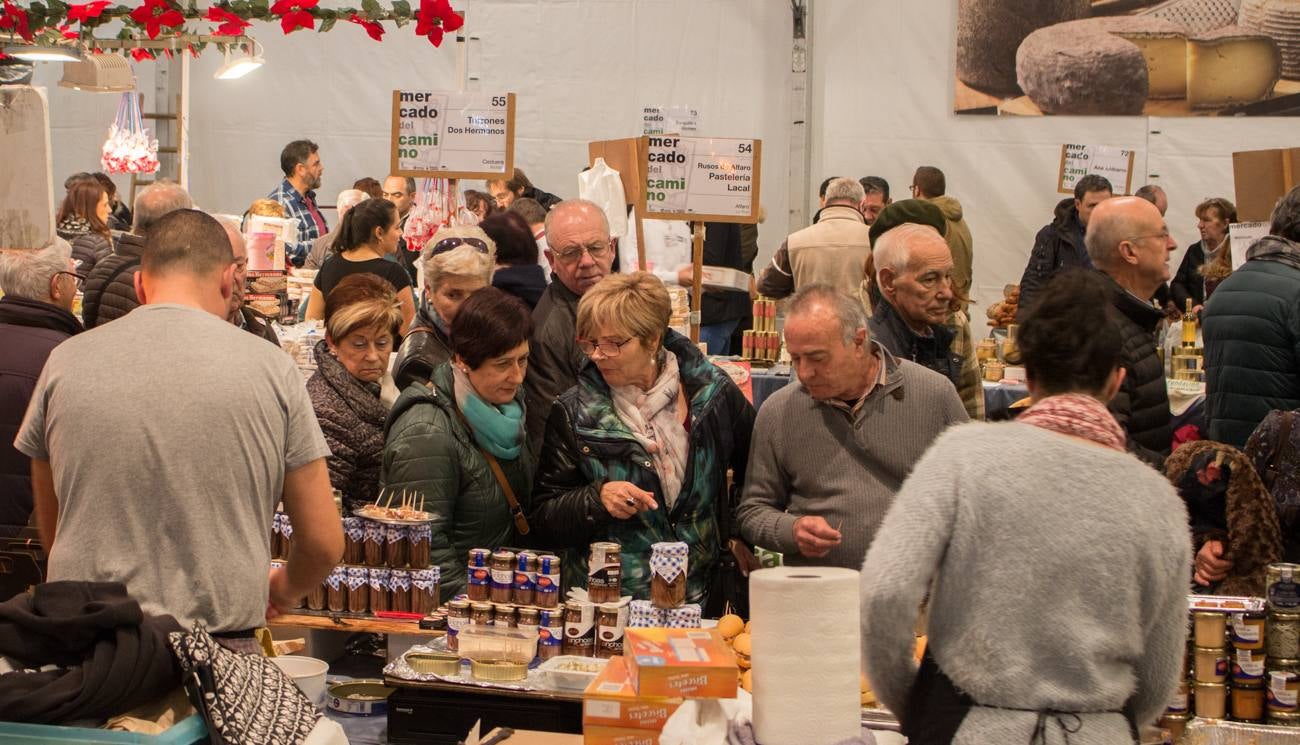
(596, 250)
(449, 244)
(607, 348)
(80, 279)
(393, 194)
(1163, 235)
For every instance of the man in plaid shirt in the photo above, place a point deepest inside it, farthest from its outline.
(300, 161)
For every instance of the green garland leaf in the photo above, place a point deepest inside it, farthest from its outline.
(327, 24)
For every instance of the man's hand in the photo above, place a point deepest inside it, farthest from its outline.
(814, 536)
(1211, 567)
(280, 599)
(686, 275)
(623, 499)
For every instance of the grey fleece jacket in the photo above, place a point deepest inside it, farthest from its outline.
(1058, 573)
(811, 458)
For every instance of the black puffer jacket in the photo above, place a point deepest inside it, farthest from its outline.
(110, 287)
(933, 351)
(88, 247)
(352, 418)
(544, 198)
(1142, 404)
(425, 347)
(1252, 341)
(1057, 246)
(553, 357)
(1188, 282)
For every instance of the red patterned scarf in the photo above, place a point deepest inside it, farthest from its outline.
(1078, 415)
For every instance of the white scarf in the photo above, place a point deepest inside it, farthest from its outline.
(652, 417)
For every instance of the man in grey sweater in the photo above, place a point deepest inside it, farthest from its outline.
(829, 453)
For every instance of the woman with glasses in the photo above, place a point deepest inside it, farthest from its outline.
(457, 264)
(368, 235)
(458, 442)
(362, 315)
(637, 452)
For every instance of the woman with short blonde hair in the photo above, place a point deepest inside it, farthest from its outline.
(637, 452)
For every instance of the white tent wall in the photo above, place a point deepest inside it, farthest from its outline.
(882, 102)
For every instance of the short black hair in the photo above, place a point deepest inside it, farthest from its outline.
(1070, 340)
(186, 241)
(515, 243)
(490, 323)
(1149, 192)
(1285, 221)
(1091, 182)
(530, 209)
(930, 181)
(821, 191)
(294, 153)
(358, 225)
(874, 184)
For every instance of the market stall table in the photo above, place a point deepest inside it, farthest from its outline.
(441, 712)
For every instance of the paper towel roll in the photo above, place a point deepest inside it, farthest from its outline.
(807, 655)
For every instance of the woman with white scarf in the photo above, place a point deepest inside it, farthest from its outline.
(638, 451)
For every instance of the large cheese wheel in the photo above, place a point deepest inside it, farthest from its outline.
(1280, 19)
(990, 31)
(1163, 44)
(1079, 67)
(1231, 65)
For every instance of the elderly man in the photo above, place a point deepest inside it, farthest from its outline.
(198, 487)
(1129, 242)
(914, 271)
(833, 251)
(110, 286)
(239, 314)
(301, 164)
(35, 316)
(400, 190)
(1155, 195)
(322, 247)
(875, 197)
(829, 453)
(581, 252)
(930, 184)
(1059, 245)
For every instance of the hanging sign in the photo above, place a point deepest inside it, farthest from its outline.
(1113, 163)
(453, 135)
(659, 120)
(699, 178)
(1242, 235)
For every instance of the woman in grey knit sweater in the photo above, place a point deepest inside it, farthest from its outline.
(1057, 565)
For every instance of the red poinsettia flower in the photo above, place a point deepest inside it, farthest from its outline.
(86, 11)
(375, 29)
(434, 18)
(230, 24)
(68, 33)
(141, 55)
(14, 20)
(294, 14)
(154, 14)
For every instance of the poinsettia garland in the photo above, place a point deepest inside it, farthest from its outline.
(48, 21)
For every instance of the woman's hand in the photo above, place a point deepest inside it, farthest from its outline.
(622, 499)
(1211, 566)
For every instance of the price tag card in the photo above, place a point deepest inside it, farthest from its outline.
(1077, 161)
(453, 135)
(698, 178)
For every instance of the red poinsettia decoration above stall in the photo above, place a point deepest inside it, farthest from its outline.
(294, 14)
(154, 14)
(229, 24)
(14, 20)
(434, 18)
(376, 30)
(86, 12)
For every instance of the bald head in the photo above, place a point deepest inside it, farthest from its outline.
(1127, 239)
(157, 200)
(580, 249)
(239, 252)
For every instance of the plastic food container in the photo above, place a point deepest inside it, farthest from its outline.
(571, 672)
(308, 673)
(493, 643)
(435, 663)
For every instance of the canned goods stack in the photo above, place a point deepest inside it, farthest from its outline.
(763, 343)
(508, 589)
(1282, 644)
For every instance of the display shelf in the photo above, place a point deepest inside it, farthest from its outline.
(353, 624)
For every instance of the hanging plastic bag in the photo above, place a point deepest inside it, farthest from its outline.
(602, 185)
(129, 147)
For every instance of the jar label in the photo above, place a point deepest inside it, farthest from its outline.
(1178, 704)
(1244, 632)
(1221, 667)
(1247, 669)
(524, 581)
(1285, 593)
(1281, 699)
(578, 629)
(545, 583)
(503, 577)
(478, 576)
(547, 637)
(456, 624)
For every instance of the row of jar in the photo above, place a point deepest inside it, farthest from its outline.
(580, 628)
(369, 590)
(504, 576)
(1276, 633)
(366, 543)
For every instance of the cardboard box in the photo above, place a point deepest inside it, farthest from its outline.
(611, 701)
(722, 278)
(596, 735)
(690, 663)
(1261, 178)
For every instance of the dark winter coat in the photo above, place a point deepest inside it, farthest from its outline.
(425, 347)
(1252, 341)
(933, 351)
(544, 198)
(430, 452)
(1057, 246)
(351, 417)
(722, 247)
(88, 247)
(29, 330)
(259, 325)
(526, 282)
(588, 445)
(109, 291)
(553, 356)
(1142, 404)
(1188, 282)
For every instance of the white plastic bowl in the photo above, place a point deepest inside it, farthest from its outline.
(308, 673)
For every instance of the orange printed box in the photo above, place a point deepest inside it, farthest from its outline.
(690, 663)
(597, 735)
(611, 701)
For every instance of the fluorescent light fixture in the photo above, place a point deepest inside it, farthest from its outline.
(42, 53)
(240, 66)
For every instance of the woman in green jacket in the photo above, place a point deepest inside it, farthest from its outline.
(441, 436)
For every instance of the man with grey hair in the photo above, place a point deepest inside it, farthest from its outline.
(322, 247)
(239, 314)
(400, 190)
(35, 316)
(110, 286)
(1129, 243)
(581, 252)
(834, 250)
(830, 452)
(1155, 195)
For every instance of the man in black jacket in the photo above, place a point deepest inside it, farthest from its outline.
(1129, 242)
(1060, 244)
(35, 316)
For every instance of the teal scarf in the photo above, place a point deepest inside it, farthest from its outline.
(497, 429)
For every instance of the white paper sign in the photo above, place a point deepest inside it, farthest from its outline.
(1242, 236)
(688, 175)
(659, 120)
(1113, 163)
(454, 132)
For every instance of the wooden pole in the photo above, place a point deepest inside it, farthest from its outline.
(697, 287)
(640, 239)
